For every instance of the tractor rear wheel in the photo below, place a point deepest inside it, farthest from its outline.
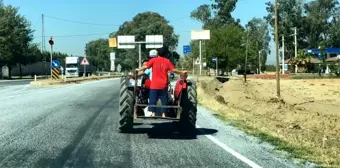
(189, 106)
(126, 103)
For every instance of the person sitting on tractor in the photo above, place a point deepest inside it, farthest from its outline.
(160, 65)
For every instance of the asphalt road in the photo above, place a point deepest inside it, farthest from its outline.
(76, 126)
(6, 83)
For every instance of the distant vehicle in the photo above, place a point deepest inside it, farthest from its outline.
(74, 69)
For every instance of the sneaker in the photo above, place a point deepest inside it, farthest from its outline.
(147, 113)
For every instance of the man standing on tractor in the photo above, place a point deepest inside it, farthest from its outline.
(159, 84)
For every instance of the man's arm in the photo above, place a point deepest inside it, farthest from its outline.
(178, 72)
(144, 67)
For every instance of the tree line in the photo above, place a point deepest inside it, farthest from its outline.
(317, 23)
(146, 23)
(16, 40)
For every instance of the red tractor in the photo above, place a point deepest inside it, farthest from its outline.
(182, 103)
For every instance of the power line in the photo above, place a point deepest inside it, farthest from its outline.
(75, 35)
(99, 24)
(79, 22)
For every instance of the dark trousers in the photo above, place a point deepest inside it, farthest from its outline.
(156, 94)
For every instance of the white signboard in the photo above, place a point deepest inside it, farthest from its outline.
(124, 40)
(112, 56)
(112, 65)
(200, 34)
(154, 41)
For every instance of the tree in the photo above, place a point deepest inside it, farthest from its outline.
(290, 15)
(320, 14)
(15, 37)
(259, 39)
(147, 23)
(227, 35)
(223, 10)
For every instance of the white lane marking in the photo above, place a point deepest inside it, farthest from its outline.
(231, 151)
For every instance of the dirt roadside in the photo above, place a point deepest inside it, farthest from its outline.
(305, 122)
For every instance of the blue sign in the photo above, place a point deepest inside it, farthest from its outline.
(186, 49)
(55, 64)
(214, 59)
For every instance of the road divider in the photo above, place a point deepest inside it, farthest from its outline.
(50, 82)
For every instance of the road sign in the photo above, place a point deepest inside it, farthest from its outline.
(112, 56)
(200, 34)
(84, 61)
(126, 42)
(51, 41)
(154, 41)
(197, 61)
(112, 42)
(119, 68)
(113, 65)
(214, 59)
(55, 64)
(186, 49)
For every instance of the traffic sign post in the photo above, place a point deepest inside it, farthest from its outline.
(84, 62)
(200, 35)
(151, 41)
(215, 59)
(112, 59)
(119, 68)
(51, 43)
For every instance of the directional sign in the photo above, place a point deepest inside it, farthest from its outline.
(126, 42)
(186, 49)
(119, 68)
(154, 41)
(55, 64)
(84, 61)
(214, 59)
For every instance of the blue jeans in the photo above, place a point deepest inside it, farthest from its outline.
(156, 94)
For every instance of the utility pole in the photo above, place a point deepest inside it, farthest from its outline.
(43, 33)
(200, 47)
(260, 61)
(283, 55)
(277, 53)
(295, 43)
(245, 63)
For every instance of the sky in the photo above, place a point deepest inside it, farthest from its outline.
(67, 20)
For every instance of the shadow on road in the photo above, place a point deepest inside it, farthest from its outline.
(170, 130)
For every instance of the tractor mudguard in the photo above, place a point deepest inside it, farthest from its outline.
(180, 85)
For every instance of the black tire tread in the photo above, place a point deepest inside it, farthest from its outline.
(125, 107)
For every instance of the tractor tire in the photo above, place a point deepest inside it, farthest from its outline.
(189, 105)
(126, 103)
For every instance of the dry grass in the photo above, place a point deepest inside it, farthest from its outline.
(304, 122)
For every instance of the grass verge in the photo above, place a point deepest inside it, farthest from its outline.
(268, 124)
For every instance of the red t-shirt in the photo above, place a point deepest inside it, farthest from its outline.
(160, 67)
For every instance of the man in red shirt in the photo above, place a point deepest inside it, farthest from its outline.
(159, 84)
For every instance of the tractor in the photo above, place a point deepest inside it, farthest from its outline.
(182, 103)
